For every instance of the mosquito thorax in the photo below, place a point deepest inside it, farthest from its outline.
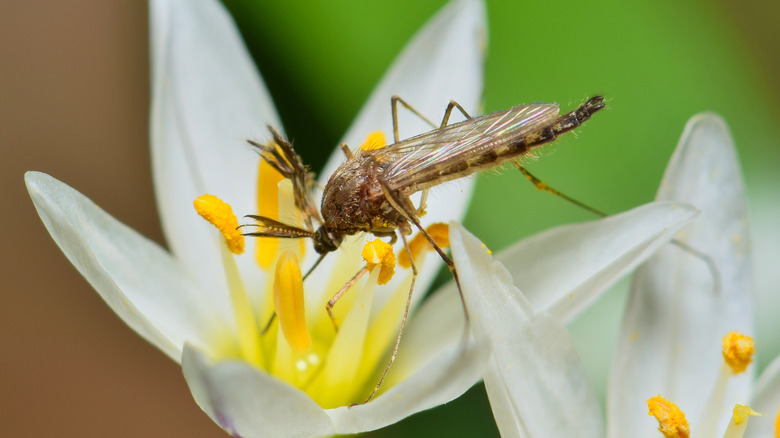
(353, 200)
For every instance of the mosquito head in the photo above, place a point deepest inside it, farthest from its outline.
(326, 240)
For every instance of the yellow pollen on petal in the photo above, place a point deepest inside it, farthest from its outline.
(671, 420)
(220, 214)
(440, 234)
(379, 253)
(288, 302)
(375, 140)
(738, 351)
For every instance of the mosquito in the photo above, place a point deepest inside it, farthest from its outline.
(370, 192)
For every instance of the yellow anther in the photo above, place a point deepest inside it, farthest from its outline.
(671, 420)
(219, 213)
(738, 351)
(741, 413)
(375, 140)
(440, 234)
(288, 302)
(378, 253)
(268, 179)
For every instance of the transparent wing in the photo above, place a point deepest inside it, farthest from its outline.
(421, 160)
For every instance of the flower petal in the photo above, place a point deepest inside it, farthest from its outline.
(141, 282)
(676, 315)
(247, 402)
(536, 382)
(444, 61)
(592, 256)
(207, 96)
(443, 378)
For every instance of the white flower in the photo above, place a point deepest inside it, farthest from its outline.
(671, 337)
(203, 306)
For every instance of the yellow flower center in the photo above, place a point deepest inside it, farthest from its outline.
(292, 338)
(738, 351)
(671, 420)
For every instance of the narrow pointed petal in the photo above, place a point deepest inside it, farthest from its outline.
(441, 379)
(536, 382)
(141, 282)
(207, 97)
(594, 255)
(767, 401)
(443, 62)
(249, 403)
(676, 314)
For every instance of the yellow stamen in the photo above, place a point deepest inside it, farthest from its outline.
(738, 351)
(440, 234)
(375, 140)
(739, 420)
(288, 302)
(266, 249)
(671, 420)
(777, 424)
(220, 215)
(378, 253)
(742, 412)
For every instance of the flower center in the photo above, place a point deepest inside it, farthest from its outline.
(291, 335)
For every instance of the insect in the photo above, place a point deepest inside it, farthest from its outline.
(370, 192)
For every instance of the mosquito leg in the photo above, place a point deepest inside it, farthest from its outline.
(394, 105)
(448, 112)
(345, 148)
(423, 205)
(403, 322)
(408, 212)
(711, 265)
(541, 185)
(335, 299)
(268, 324)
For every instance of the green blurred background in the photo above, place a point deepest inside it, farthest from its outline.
(74, 103)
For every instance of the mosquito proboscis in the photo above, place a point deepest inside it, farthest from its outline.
(370, 192)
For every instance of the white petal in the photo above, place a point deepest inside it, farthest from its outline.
(442, 379)
(436, 326)
(590, 256)
(207, 98)
(247, 402)
(141, 282)
(766, 401)
(675, 318)
(537, 384)
(443, 62)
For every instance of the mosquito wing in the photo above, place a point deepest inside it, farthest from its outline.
(463, 148)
